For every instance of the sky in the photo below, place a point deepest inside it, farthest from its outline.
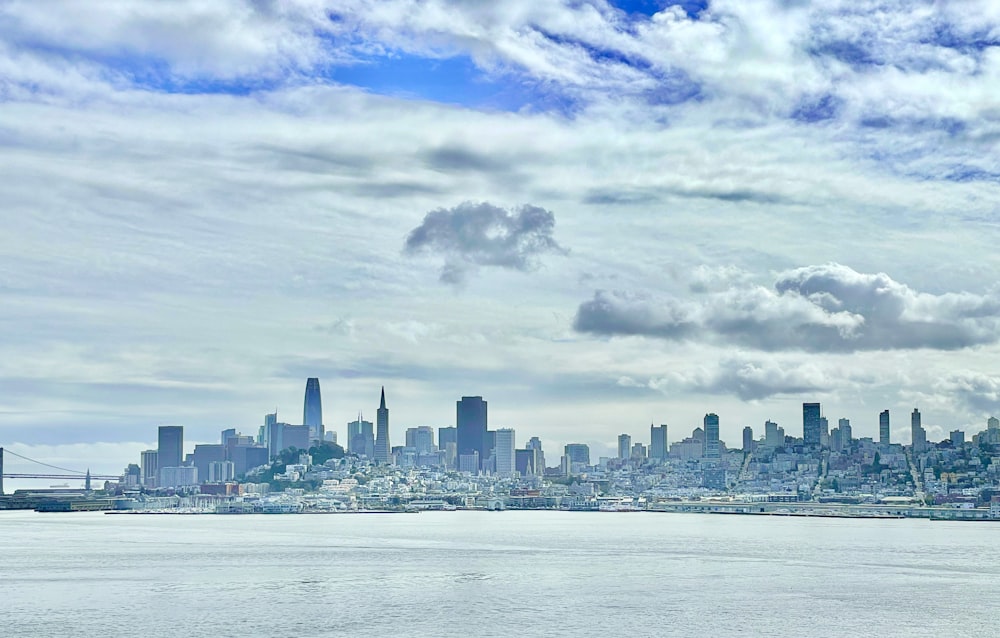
(597, 215)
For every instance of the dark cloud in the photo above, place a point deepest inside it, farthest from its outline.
(476, 234)
(826, 308)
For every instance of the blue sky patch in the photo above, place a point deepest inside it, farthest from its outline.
(649, 7)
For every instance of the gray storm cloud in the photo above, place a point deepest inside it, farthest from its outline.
(823, 308)
(475, 234)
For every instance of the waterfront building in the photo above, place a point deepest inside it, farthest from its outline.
(811, 424)
(657, 442)
(711, 446)
(174, 477)
(883, 427)
(382, 431)
(170, 446)
(471, 422)
(504, 457)
(624, 446)
(312, 410)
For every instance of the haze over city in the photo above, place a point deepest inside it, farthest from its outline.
(594, 215)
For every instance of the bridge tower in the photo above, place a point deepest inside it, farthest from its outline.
(1, 471)
(86, 485)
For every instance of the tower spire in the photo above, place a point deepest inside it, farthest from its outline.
(382, 403)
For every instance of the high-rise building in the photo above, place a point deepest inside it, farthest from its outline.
(657, 442)
(270, 420)
(577, 453)
(204, 455)
(170, 446)
(421, 439)
(638, 452)
(883, 427)
(824, 431)
(957, 438)
(150, 467)
(535, 443)
(624, 446)
(774, 436)
(503, 454)
(811, 425)
(382, 431)
(528, 462)
(295, 436)
(918, 435)
(471, 421)
(993, 423)
(748, 439)
(446, 436)
(846, 435)
(361, 437)
(226, 434)
(312, 410)
(711, 446)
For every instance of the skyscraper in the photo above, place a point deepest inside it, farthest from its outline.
(657, 442)
(711, 445)
(577, 453)
(150, 467)
(624, 446)
(811, 426)
(918, 435)
(170, 446)
(382, 431)
(361, 437)
(312, 410)
(471, 420)
(883, 427)
(504, 456)
(421, 439)
(534, 443)
(845, 432)
(748, 439)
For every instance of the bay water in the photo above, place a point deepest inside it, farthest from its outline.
(513, 573)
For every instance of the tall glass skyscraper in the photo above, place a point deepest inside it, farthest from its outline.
(657, 441)
(170, 446)
(382, 431)
(883, 427)
(312, 411)
(811, 426)
(470, 419)
(711, 444)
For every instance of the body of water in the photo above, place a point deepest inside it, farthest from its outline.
(91, 575)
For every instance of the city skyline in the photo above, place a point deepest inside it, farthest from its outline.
(610, 446)
(596, 214)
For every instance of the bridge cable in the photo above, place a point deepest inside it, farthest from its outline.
(55, 467)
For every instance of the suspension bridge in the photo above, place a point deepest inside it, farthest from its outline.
(66, 474)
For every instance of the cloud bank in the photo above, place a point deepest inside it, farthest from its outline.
(823, 308)
(480, 234)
